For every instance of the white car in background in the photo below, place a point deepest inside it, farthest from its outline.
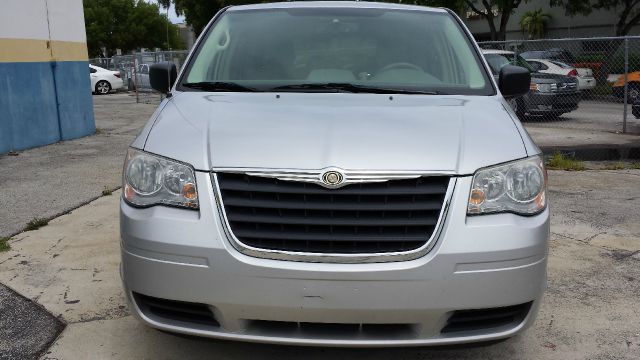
(586, 81)
(103, 80)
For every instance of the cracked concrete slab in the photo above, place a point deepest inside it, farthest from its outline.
(71, 265)
(590, 310)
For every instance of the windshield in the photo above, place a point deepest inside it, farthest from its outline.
(497, 61)
(354, 49)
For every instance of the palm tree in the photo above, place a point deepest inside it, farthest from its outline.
(535, 23)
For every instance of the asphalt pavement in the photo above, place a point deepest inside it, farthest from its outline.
(26, 328)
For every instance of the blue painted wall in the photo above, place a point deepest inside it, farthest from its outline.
(44, 102)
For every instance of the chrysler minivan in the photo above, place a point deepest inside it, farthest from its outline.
(335, 174)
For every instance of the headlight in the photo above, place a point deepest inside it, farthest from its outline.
(518, 187)
(150, 180)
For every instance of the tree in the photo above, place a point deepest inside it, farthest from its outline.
(127, 25)
(628, 11)
(535, 23)
(197, 13)
(491, 10)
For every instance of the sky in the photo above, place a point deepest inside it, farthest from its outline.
(172, 13)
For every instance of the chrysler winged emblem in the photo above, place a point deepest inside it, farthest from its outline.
(332, 178)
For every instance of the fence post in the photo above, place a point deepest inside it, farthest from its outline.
(626, 83)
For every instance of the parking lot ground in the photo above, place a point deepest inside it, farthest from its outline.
(596, 115)
(590, 310)
(19, 317)
(49, 180)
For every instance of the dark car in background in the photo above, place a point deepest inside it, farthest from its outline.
(550, 95)
(635, 109)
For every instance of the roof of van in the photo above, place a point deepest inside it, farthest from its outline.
(334, 4)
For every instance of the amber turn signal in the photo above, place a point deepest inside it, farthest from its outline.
(189, 191)
(476, 197)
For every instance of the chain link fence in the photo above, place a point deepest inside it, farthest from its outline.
(134, 71)
(582, 84)
(583, 88)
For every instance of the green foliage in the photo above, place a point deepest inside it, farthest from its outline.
(560, 162)
(127, 25)
(36, 224)
(616, 64)
(107, 191)
(492, 10)
(590, 58)
(535, 23)
(619, 165)
(4, 244)
(197, 13)
(628, 11)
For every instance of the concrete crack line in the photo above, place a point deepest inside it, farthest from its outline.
(601, 247)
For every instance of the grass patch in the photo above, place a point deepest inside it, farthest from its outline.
(616, 166)
(560, 162)
(99, 131)
(36, 224)
(635, 165)
(107, 191)
(4, 243)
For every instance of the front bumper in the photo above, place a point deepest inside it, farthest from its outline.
(537, 103)
(477, 263)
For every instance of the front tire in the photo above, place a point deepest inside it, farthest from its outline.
(103, 87)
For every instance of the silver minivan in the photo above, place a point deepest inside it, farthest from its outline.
(335, 173)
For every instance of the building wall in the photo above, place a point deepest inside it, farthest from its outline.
(45, 93)
(598, 23)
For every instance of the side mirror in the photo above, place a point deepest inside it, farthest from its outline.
(514, 81)
(162, 75)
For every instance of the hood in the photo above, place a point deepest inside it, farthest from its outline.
(456, 134)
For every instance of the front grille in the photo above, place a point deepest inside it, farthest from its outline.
(486, 319)
(567, 86)
(391, 216)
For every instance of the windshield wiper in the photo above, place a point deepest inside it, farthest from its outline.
(352, 88)
(219, 86)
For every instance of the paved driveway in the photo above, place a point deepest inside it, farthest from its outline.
(47, 181)
(591, 310)
(595, 115)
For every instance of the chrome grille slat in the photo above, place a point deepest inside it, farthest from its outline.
(385, 216)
